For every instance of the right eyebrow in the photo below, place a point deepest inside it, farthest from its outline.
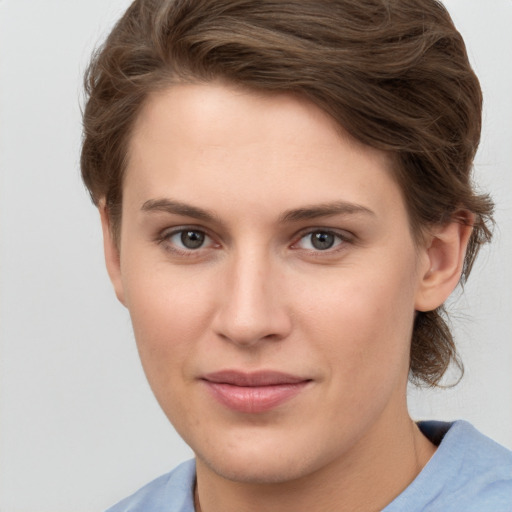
(178, 208)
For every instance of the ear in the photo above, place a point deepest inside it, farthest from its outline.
(112, 255)
(444, 250)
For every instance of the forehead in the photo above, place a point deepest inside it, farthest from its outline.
(221, 145)
(223, 114)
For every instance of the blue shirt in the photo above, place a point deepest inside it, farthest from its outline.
(468, 473)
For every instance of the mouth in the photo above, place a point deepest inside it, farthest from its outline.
(253, 392)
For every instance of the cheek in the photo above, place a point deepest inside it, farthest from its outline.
(169, 313)
(362, 324)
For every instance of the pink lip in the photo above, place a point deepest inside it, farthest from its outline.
(253, 392)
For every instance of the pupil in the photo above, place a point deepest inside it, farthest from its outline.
(322, 240)
(192, 239)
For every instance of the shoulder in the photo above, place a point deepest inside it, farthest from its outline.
(172, 492)
(474, 455)
(468, 472)
(484, 477)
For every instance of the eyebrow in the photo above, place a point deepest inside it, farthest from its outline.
(324, 210)
(178, 208)
(294, 215)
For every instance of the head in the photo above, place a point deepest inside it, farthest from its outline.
(286, 193)
(394, 75)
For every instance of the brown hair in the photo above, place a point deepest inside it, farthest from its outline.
(394, 73)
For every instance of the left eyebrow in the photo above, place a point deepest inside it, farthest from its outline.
(324, 210)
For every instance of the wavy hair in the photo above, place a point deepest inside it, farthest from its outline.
(393, 73)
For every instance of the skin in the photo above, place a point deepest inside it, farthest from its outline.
(259, 295)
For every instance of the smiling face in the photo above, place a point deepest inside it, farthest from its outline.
(268, 266)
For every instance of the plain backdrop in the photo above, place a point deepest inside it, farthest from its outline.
(79, 427)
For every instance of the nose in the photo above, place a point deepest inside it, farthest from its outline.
(252, 307)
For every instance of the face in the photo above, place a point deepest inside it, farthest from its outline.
(269, 270)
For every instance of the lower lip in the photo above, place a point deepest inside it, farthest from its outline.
(254, 399)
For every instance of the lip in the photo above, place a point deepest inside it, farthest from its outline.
(254, 392)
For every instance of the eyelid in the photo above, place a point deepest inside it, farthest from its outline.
(343, 236)
(164, 236)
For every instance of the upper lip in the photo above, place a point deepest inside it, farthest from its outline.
(253, 379)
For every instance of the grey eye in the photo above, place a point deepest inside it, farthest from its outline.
(320, 241)
(189, 239)
(192, 239)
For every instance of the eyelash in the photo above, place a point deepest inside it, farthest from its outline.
(340, 241)
(166, 236)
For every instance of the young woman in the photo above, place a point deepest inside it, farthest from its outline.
(286, 201)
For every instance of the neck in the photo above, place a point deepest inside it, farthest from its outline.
(384, 462)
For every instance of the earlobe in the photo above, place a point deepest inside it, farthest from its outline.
(445, 251)
(112, 255)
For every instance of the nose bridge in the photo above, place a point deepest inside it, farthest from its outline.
(252, 308)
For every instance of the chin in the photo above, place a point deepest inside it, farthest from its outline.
(262, 461)
(263, 470)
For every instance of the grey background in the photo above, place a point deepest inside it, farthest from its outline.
(79, 427)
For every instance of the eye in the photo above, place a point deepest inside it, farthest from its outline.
(188, 239)
(320, 240)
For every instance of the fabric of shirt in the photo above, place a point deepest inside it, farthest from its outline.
(468, 473)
